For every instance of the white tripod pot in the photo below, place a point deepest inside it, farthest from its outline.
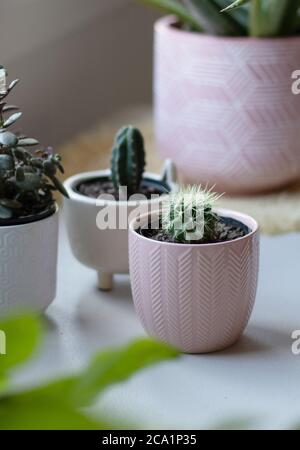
(105, 250)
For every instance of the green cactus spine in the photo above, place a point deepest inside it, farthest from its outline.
(128, 160)
(188, 215)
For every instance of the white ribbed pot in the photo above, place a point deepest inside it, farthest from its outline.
(225, 112)
(28, 257)
(104, 250)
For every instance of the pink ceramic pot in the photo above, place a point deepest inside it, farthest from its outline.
(197, 298)
(224, 108)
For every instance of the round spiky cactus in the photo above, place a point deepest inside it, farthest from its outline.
(128, 159)
(188, 215)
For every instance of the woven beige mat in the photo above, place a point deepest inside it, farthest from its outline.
(278, 212)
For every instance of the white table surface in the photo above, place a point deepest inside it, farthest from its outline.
(257, 379)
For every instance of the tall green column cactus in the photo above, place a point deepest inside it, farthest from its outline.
(128, 160)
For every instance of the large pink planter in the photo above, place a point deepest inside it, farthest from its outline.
(224, 109)
(197, 298)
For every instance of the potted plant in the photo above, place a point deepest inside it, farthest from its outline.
(224, 107)
(194, 271)
(100, 203)
(28, 215)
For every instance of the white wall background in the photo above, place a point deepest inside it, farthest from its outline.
(78, 61)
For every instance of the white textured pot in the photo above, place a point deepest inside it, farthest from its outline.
(106, 251)
(28, 263)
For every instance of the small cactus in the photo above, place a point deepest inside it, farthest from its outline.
(188, 215)
(128, 160)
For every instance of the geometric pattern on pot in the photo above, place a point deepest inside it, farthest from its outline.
(11, 248)
(224, 109)
(198, 298)
(28, 255)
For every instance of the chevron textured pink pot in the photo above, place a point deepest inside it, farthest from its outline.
(224, 108)
(197, 298)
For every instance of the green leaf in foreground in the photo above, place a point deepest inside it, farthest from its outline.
(3, 382)
(242, 423)
(115, 366)
(56, 405)
(25, 413)
(22, 337)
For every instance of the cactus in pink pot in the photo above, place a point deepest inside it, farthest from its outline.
(194, 271)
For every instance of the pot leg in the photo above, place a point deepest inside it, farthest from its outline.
(105, 281)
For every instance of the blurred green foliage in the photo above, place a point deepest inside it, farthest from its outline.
(59, 404)
(62, 404)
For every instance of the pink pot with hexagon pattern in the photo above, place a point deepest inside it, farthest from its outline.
(224, 108)
(196, 297)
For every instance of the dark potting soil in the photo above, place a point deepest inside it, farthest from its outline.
(24, 216)
(227, 229)
(96, 187)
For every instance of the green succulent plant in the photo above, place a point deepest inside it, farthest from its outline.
(259, 18)
(27, 177)
(128, 160)
(187, 215)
